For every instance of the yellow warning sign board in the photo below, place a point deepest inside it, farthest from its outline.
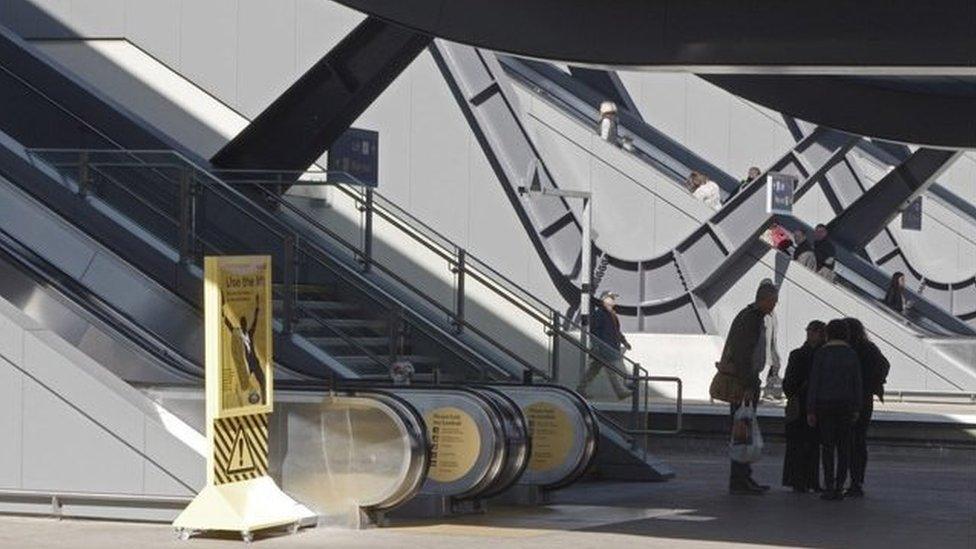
(240, 448)
(239, 495)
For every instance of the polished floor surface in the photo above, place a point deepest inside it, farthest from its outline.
(916, 498)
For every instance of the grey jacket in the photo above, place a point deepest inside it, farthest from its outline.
(835, 379)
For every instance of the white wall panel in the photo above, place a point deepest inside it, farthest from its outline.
(208, 46)
(68, 452)
(155, 26)
(266, 54)
(320, 25)
(709, 123)
(11, 421)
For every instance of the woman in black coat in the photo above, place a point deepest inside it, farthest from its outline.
(874, 373)
(801, 464)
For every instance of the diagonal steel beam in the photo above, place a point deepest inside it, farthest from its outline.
(856, 226)
(298, 127)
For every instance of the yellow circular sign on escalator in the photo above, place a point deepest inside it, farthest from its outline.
(455, 443)
(551, 433)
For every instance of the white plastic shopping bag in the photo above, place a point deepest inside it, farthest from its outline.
(745, 444)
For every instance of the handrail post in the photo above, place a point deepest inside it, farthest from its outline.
(186, 219)
(289, 282)
(635, 404)
(368, 230)
(84, 173)
(395, 320)
(459, 269)
(554, 347)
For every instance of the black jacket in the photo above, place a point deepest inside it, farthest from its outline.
(874, 370)
(740, 345)
(825, 252)
(894, 300)
(802, 248)
(835, 379)
(604, 327)
(795, 381)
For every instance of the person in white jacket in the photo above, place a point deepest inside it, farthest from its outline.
(708, 192)
(773, 389)
(608, 122)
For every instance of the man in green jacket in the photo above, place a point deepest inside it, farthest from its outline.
(745, 351)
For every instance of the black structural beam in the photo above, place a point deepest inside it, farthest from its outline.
(705, 35)
(863, 220)
(298, 127)
(927, 110)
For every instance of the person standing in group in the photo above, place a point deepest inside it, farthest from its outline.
(824, 251)
(833, 401)
(744, 356)
(874, 373)
(801, 464)
(895, 296)
(803, 250)
(607, 345)
(608, 122)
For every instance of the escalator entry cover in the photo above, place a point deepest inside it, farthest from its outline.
(551, 433)
(455, 443)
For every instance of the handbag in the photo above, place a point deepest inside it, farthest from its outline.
(726, 388)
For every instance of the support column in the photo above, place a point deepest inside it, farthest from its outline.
(863, 220)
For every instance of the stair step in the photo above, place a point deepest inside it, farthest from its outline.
(365, 341)
(363, 360)
(311, 324)
(317, 305)
(305, 288)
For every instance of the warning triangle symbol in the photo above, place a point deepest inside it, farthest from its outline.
(241, 455)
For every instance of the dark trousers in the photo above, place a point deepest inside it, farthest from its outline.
(859, 449)
(739, 473)
(835, 446)
(801, 463)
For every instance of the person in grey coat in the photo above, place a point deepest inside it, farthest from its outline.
(833, 404)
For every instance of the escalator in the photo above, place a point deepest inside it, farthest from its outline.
(580, 102)
(391, 422)
(163, 210)
(162, 213)
(678, 290)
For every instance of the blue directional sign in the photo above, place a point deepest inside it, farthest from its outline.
(779, 193)
(356, 152)
(911, 216)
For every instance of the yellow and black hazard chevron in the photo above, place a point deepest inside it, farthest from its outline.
(240, 448)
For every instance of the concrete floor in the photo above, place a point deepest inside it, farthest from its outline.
(916, 498)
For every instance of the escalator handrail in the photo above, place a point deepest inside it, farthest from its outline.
(275, 226)
(118, 321)
(96, 167)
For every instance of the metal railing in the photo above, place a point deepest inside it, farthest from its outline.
(57, 500)
(464, 266)
(179, 219)
(165, 194)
